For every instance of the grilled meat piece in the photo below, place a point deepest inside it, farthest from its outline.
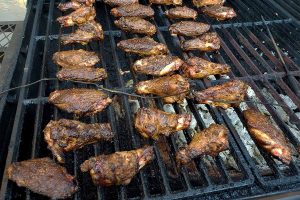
(75, 58)
(232, 91)
(196, 67)
(133, 10)
(166, 2)
(219, 12)
(189, 28)
(80, 101)
(118, 168)
(117, 3)
(90, 75)
(210, 141)
(73, 5)
(181, 13)
(143, 46)
(158, 65)
(43, 176)
(79, 16)
(67, 135)
(206, 42)
(85, 33)
(267, 136)
(136, 25)
(202, 3)
(153, 122)
(176, 86)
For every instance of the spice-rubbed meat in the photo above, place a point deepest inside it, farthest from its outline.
(133, 10)
(135, 25)
(79, 16)
(210, 141)
(196, 67)
(116, 3)
(202, 3)
(189, 28)
(224, 95)
(206, 42)
(74, 4)
(67, 135)
(267, 136)
(80, 101)
(118, 168)
(175, 87)
(85, 33)
(43, 176)
(143, 46)
(75, 58)
(154, 123)
(158, 65)
(166, 2)
(219, 12)
(181, 13)
(90, 75)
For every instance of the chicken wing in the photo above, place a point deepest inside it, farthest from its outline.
(158, 65)
(206, 42)
(43, 176)
(117, 3)
(75, 58)
(181, 13)
(189, 28)
(142, 46)
(196, 67)
(166, 2)
(80, 101)
(221, 95)
(91, 75)
(202, 3)
(73, 5)
(118, 168)
(133, 10)
(210, 141)
(79, 16)
(175, 87)
(219, 12)
(267, 136)
(135, 25)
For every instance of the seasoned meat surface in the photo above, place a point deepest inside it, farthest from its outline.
(67, 135)
(116, 3)
(73, 5)
(206, 42)
(143, 46)
(166, 2)
(202, 3)
(154, 123)
(196, 67)
(136, 25)
(189, 28)
(181, 13)
(133, 10)
(158, 65)
(79, 16)
(219, 12)
(118, 168)
(75, 58)
(232, 91)
(43, 176)
(80, 101)
(174, 85)
(267, 136)
(210, 141)
(91, 75)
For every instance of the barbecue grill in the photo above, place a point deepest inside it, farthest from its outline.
(243, 171)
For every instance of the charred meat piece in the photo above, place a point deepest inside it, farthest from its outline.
(116, 3)
(189, 28)
(133, 10)
(181, 13)
(166, 2)
(143, 46)
(267, 136)
(90, 75)
(136, 25)
(153, 122)
(118, 168)
(67, 135)
(175, 87)
(200, 68)
(80, 101)
(85, 33)
(75, 58)
(206, 42)
(43, 176)
(158, 65)
(73, 5)
(232, 91)
(202, 3)
(210, 141)
(79, 16)
(219, 12)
